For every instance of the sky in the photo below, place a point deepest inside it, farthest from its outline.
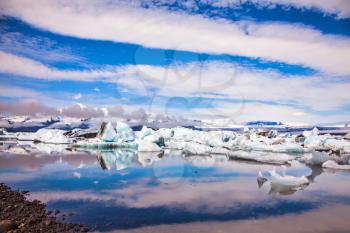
(247, 60)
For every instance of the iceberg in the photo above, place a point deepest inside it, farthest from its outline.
(23, 136)
(107, 132)
(262, 157)
(196, 148)
(331, 164)
(288, 181)
(55, 136)
(337, 144)
(124, 133)
(313, 132)
(316, 158)
(144, 132)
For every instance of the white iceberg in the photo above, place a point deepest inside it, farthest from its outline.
(52, 136)
(196, 148)
(144, 132)
(337, 144)
(288, 181)
(107, 132)
(317, 158)
(331, 164)
(262, 157)
(124, 133)
(313, 132)
(24, 136)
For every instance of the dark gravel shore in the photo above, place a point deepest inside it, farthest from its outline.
(17, 214)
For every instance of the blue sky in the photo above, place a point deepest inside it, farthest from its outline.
(248, 60)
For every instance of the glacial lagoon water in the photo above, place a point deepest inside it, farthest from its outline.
(122, 191)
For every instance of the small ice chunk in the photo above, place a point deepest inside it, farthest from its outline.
(289, 181)
(107, 132)
(331, 164)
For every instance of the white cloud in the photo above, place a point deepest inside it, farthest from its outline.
(100, 20)
(26, 107)
(242, 112)
(215, 80)
(341, 8)
(229, 81)
(39, 48)
(12, 64)
(14, 91)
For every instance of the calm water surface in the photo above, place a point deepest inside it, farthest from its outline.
(122, 191)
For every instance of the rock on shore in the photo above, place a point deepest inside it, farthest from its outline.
(21, 215)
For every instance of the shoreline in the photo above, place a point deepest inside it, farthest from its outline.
(18, 214)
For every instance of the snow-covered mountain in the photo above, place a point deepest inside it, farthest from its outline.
(32, 124)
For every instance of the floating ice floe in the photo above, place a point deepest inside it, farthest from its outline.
(262, 157)
(288, 181)
(330, 164)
